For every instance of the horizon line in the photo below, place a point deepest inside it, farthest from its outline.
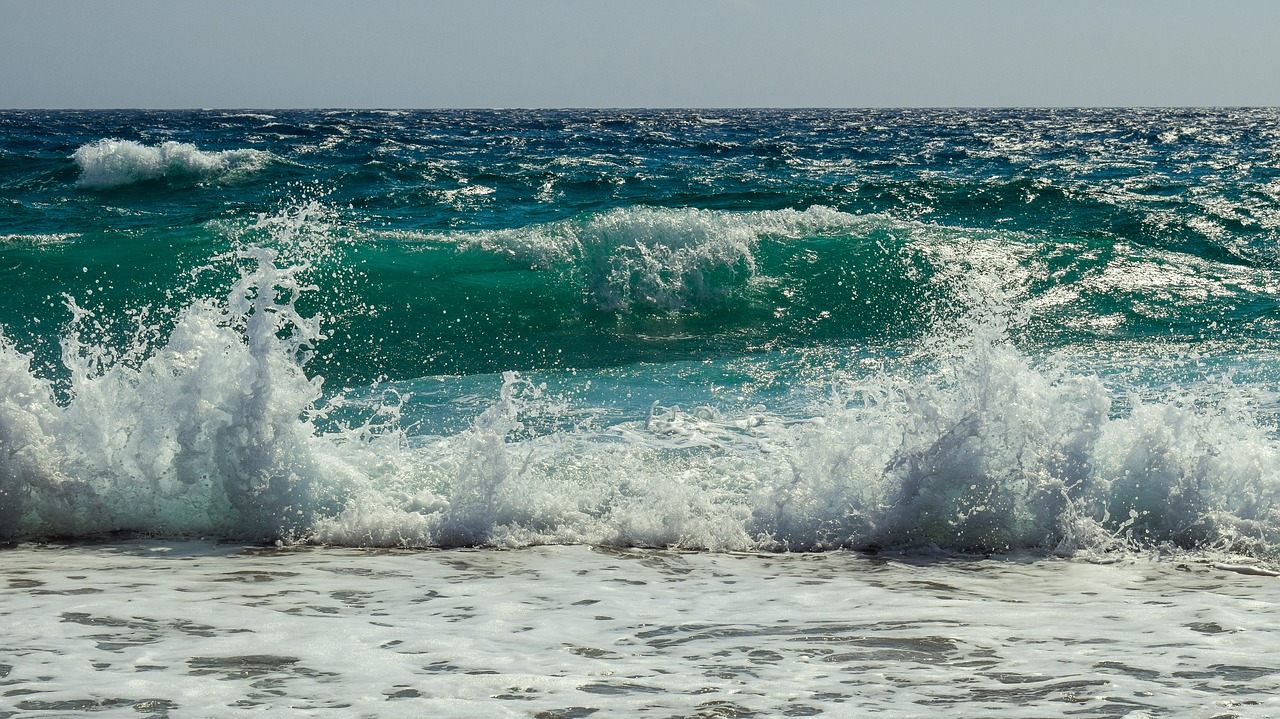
(636, 108)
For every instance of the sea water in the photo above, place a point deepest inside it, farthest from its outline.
(669, 413)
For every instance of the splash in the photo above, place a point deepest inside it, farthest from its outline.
(969, 445)
(112, 163)
(208, 435)
(985, 452)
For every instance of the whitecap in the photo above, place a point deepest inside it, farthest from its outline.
(111, 163)
(656, 258)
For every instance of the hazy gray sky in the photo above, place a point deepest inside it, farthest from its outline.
(637, 53)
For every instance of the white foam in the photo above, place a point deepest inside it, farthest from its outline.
(191, 629)
(206, 436)
(111, 163)
(968, 446)
(986, 453)
(56, 238)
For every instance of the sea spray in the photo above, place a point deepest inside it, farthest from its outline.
(975, 449)
(28, 420)
(206, 436)
(983, 453)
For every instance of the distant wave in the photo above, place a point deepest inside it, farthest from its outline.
(37, 239)
(111, 163)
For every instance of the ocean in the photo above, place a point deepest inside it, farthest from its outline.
(716, 413)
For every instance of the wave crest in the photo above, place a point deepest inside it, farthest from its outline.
(111, 163)
(657, 259)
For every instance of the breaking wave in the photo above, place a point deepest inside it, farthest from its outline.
(112, 163)
(648, 258)
(222, 432)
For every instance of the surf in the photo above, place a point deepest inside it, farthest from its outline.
(972, 446)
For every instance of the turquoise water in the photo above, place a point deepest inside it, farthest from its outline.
(983, 330)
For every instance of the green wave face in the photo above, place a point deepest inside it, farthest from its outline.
(640, 284)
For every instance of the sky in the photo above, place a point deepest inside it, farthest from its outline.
(637, 53)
